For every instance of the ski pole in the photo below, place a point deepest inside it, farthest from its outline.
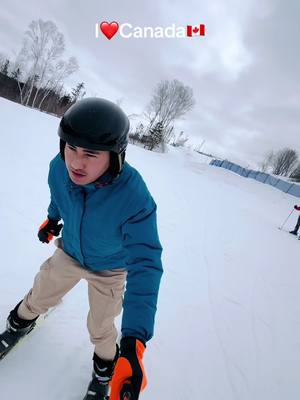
(286, 219)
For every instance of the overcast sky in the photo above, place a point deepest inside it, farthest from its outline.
(245, 73)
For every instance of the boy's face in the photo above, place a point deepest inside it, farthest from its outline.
(85, 166)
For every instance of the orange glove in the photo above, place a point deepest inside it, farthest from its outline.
(129, 377)
(49, 228)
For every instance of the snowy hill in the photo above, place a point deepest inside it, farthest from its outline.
(228, 321)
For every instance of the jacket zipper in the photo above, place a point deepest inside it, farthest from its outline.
(80, 229)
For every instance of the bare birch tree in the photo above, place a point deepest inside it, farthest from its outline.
(54, 47)
(285, 161)
(268, 162)
(60, 72)
(39, 58)
(171, 100)
(295, 175)
(41, 46)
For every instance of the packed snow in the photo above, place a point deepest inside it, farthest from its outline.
(228, 319)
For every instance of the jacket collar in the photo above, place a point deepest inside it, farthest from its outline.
(105, 180)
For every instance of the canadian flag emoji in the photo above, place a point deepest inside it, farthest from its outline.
(195, 30)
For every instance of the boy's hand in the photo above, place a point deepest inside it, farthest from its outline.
(129, 374)
(49, 228)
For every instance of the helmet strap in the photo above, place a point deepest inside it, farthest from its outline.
(116, 162)
(62, 145)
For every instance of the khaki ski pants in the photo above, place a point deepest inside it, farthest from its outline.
(59, 274)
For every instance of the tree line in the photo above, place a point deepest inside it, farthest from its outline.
(35, 78)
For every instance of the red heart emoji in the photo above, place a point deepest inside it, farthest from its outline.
(109, 29)
(195, 30)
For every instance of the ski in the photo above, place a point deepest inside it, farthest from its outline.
(94, 393)
(9, 341)
(126, 396)
(296, 235)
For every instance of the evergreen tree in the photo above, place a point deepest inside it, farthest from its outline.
(78, 92)
(16, 74)
(156, 135)
(4, 67)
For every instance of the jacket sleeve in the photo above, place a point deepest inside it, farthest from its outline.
(140, 239)
(53, 211)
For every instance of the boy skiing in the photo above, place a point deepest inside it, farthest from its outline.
(109, 237)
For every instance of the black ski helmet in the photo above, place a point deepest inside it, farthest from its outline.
(96, 124)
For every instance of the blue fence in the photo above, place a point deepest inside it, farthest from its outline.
(284, 186)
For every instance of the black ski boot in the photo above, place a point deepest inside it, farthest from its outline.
(293, 232)
(98, 388)
(16, 328)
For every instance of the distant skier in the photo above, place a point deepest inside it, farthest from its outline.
(109, 237)
(295, 230)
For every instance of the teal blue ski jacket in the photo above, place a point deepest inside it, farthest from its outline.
(113, 226)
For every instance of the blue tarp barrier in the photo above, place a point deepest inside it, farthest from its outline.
(245, 172)
(234, 167)
(283, 185)
(240, 171)
(287, 187)
(252, 174)
(272, 180)
(225, 164)
(294, 190)
(262, 177)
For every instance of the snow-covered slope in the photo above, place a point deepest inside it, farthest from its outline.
(228, 320)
